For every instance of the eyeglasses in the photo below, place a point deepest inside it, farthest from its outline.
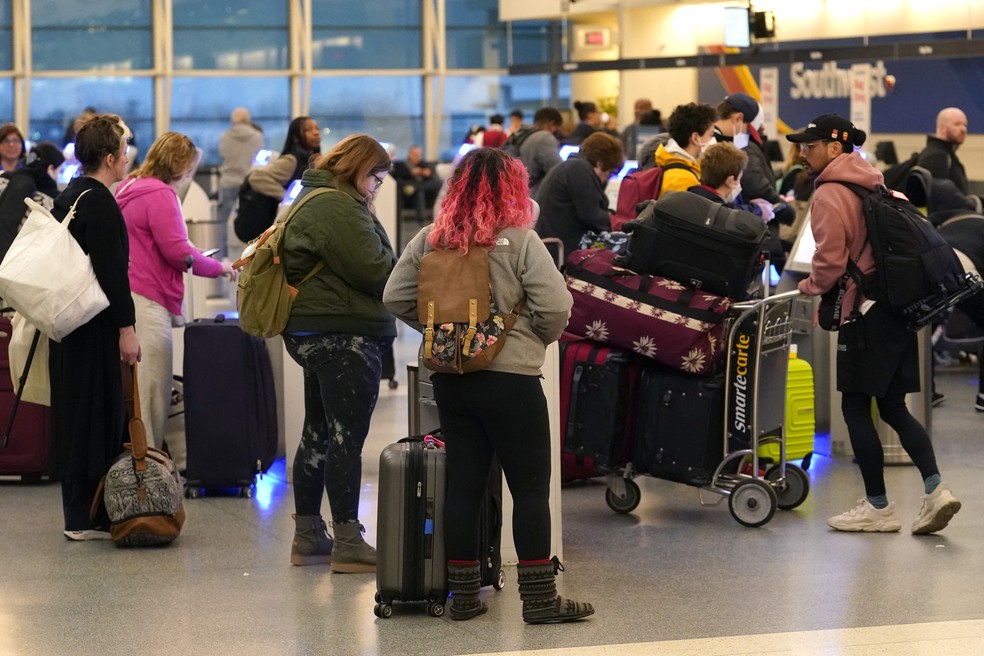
(11, 140)
(805, 147)
(379, 180)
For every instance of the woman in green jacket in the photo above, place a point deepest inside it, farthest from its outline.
(338, 332)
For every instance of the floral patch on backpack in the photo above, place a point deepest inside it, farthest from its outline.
(463, 327)
(456, 350)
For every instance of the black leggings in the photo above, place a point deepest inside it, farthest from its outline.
(867, 447)
(486, 413)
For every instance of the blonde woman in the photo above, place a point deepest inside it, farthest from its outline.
(159, 255)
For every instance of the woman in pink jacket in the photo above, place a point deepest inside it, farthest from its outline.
(159, 255)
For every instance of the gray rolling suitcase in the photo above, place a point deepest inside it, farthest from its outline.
(410, 561)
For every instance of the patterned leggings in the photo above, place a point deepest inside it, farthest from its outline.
(341, 384)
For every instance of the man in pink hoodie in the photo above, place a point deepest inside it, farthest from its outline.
(876, 353)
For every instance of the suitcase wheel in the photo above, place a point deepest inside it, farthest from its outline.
(628, 502)
(500, 580)
(246, 492)
(384, 611)
(192, 492)
(393, 383)
(435, 609)
(791, 489)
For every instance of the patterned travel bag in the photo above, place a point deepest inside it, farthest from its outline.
(656, 317)
(142, 489)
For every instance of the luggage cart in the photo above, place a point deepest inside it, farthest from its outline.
(758, 334)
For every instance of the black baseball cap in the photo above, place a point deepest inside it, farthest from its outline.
(827, 127)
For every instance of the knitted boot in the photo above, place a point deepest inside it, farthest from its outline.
(464, 582)
(351, 554)
(312, 545)
(538, 590)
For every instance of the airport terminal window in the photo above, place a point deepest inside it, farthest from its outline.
(55, 102)
(6, 42)
(475, 37)
(389, 108)
(531, 42)
(7, 100)
(103, 34)
(200, 108)
(379, 34)
(250, 34)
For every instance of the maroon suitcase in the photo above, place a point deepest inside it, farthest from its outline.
(654, 317)
(597, 386)
(28, 449)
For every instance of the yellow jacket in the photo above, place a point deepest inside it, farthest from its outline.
(677, 179)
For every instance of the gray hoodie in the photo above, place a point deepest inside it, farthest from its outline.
(238, 146)
(519, 264)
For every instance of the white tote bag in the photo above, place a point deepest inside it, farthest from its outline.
(48, 278)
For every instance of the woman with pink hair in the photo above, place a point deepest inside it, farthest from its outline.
(501, 410)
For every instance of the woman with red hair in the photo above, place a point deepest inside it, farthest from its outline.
(501, 410)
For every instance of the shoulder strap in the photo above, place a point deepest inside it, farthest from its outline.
(71, 210)
(290, 214)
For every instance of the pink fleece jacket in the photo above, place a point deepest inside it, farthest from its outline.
(838, 227)
(159, 244)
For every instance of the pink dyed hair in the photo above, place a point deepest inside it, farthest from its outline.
(488, 192)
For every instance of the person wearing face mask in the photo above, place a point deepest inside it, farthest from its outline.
(691, 130)
(721, 169)
(739, 117)
(572, 196)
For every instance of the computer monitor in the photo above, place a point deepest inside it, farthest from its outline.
(292, 191)
(737, 27)
(567, 151)
(66, 172)
(885, 152)
(627, 168)
(774, 151)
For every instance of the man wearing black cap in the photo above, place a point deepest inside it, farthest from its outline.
(876, 353)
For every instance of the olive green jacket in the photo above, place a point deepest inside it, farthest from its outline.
(339, 228)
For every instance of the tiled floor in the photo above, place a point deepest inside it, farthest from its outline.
(671, 578)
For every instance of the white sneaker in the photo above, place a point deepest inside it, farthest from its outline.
(937, 510)
(90, 534)
(865, 517)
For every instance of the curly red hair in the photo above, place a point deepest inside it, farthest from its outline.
(488, 192)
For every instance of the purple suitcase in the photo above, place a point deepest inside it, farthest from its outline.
(27, 451)
(230, 406)
(657, 318)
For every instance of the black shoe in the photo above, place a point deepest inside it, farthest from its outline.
(979, 403)
(938, 399)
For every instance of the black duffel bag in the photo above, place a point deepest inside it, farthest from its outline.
(698, 242)
(255, 214)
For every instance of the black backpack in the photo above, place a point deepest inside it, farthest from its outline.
(516, 139)
(255, 214)
(896, 175)
(917, 274)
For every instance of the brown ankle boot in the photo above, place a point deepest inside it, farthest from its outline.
(351, 554)
(311, 545)
(538, 590)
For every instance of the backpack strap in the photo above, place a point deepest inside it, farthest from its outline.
(290, 214)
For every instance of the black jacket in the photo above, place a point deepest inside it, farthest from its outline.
(940, 158)
(572, 201)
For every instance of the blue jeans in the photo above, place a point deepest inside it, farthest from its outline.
(341, 384)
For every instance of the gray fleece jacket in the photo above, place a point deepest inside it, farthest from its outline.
(518, 264)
